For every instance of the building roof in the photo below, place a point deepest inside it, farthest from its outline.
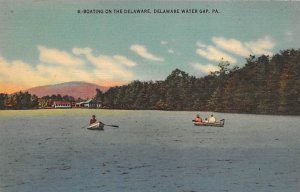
(61, 102)
(87, 101)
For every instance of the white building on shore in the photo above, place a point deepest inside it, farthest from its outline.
(91, 103)
(61, 104)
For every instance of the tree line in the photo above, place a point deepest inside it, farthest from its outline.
(264, 86)
(20, 100)
(24, 100)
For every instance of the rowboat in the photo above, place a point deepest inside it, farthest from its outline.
(96, 126)
(216, 124)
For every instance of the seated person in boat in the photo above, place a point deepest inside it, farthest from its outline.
(93, 119)
(212, 119)
(205, 120)
(198, 119)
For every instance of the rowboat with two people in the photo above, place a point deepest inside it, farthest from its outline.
(208, 121)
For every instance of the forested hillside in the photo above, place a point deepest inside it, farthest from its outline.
(264, 86)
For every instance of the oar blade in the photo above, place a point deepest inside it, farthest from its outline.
(112, 125)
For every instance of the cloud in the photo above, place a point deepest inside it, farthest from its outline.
(261, 46)
(42, 74)
(143, 52)
(124, 60)
(231, 45)
(117, 59)
(26, 75)
(108, 67)
(102, 69)
(55, 56)
(205, 68)
(163, 42)
(200, 44)
(81, 51)
(213, 54)
(63, 74)
(223, 47)
(256, 47)
(171, 51)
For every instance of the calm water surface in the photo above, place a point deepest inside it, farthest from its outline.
(47, 150)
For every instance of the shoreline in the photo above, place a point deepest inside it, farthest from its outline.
(119, 109)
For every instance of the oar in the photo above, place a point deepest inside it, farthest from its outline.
(111, 125)
(85, 126)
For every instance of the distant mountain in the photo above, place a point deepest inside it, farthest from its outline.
(75, 88)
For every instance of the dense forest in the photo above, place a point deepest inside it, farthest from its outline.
(20, 100)
(264, 85)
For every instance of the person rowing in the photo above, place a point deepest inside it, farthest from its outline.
(93, 119)
(98, 125)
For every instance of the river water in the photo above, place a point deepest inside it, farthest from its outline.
(48, 150)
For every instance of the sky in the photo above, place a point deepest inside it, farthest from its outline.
(50, 42)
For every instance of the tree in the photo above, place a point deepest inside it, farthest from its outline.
(3, 98)
(99, 95)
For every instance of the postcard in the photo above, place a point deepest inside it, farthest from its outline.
(175, 96)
